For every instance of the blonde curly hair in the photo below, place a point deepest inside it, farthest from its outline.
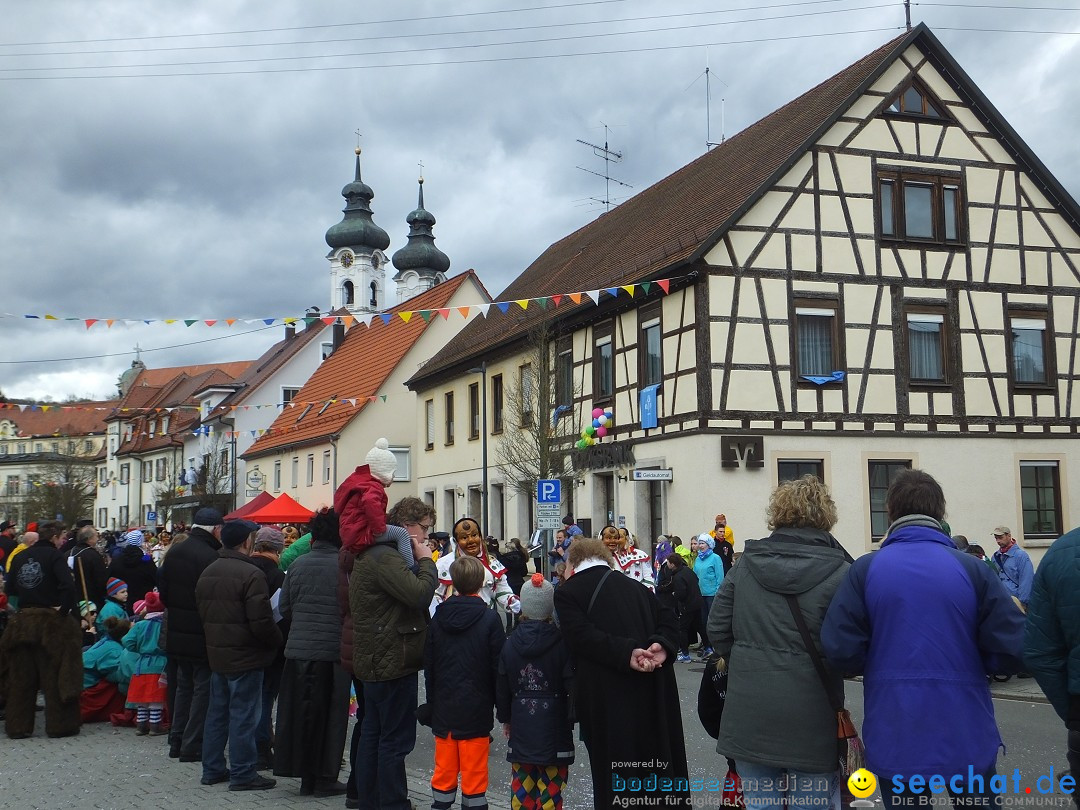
(803, 503)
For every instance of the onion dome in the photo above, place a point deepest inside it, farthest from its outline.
(420, 254)
(357, 229)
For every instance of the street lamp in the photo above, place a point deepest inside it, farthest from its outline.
(482, 371)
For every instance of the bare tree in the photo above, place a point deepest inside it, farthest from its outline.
(214, 481)
(533, 444)
(63, 487)
(169, 491)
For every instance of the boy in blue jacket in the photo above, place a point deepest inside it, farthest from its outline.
(461, 659)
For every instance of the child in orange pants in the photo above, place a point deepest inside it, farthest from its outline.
(461, 661)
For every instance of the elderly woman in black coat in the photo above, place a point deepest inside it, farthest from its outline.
(313, 703)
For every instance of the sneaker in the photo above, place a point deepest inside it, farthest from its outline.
(258, 783)
(683, 658)
(705, 653)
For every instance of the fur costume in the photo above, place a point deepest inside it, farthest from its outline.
(40, 649)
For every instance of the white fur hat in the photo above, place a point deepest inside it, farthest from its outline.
(381, 462)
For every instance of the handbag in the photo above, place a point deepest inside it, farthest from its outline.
(711, 694)
(850, 752)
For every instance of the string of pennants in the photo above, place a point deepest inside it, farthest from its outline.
(544, 302)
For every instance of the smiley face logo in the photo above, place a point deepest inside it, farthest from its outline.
(862, 783)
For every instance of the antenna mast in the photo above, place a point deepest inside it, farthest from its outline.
(907, 13)
(609, 157)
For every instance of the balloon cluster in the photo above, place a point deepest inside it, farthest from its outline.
(601, 419)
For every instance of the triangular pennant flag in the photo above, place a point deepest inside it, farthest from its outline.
(542, 302)
(646, 286)
(522, 302)
(406, 316)
(230, 321)
(445, 313)
(329, 320)
(33, 317)
(210, 323)
(612, 291)
(594, 295)
(386, 317)
(110, 322)
(556, 299)
(664, 284)
(170, 321)
(575, 297)
(629, 289)
(269, 321)
(483, 309)
(190, 322)
(503, 306)
(308, 320)
(90, 322)
(289, 321)
(371, 399)
(51, 318)
(383, 397)
(464, 311)
(348, 320)
(426, 315)
(351, 401)
(45, 408)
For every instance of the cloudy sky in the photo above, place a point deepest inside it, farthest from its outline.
(184, 160)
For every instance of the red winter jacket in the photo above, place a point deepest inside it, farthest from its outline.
(360, 503)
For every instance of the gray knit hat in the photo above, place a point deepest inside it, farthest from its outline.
(537, 598)
(271, 538)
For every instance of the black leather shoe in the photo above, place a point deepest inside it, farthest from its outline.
(258, 783)
(215, 780)
(174, 750)
(324, 788)
(191, 756)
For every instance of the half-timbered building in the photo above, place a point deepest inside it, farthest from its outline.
(878, 275)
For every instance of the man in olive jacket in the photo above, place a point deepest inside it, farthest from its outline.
(242, 639)
(392, 584)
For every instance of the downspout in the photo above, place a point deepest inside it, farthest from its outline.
(334, 477)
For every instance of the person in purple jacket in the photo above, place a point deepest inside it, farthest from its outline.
(924, 624)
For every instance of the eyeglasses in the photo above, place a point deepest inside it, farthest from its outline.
(424, 527)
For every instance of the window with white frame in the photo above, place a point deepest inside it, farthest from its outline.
(326, 470)
(926, 347)
(816, 340)
(310, 476)
(147, 472)
(277, 476)
(403, 456)
(125, 473)
(1030, 349)
(295, 472)
(288, 394)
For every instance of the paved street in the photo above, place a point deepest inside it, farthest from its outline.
(110, 768)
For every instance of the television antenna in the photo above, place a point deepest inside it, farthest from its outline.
(609, 156)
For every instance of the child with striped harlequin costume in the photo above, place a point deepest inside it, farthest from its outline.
(467, 541)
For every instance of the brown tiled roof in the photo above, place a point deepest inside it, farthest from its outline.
(672, 222)
(272, 360)
(357, 370)
(77, 419)
(158, 389)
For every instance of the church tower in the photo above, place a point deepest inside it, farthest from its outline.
(357, 260)
(420, 265)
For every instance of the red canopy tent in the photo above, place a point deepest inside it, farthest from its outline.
(264, 498)
(283, 509)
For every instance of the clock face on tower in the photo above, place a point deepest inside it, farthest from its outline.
(346, 259)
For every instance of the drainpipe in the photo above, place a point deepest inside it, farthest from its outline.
(333, 466)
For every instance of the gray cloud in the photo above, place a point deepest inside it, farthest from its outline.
(208, 196)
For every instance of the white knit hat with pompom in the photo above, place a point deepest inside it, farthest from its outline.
(381, 462)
